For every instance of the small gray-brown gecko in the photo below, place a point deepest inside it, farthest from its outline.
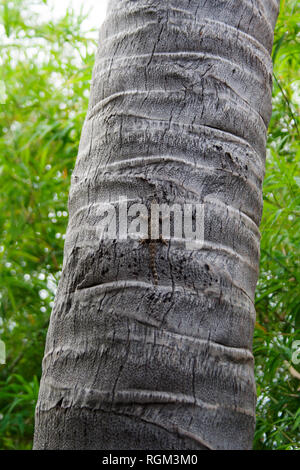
(153, 226)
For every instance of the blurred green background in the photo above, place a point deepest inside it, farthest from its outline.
(45, 72)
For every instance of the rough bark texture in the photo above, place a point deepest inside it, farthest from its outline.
(180, 103)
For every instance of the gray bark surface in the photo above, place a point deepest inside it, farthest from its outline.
(179, 108)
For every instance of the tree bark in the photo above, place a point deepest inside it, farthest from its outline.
(179, 108)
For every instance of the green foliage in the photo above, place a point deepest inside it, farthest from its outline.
(45, 71)
(18, 398)
(277, 295)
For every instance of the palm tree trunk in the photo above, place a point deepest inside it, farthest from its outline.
(179, 108)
